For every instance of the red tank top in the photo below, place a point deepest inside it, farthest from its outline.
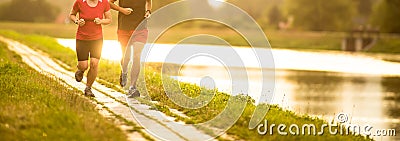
(91, 30)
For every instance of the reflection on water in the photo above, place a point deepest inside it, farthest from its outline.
(392, 99)
(328, 93)
(368, 100)
(392, 95)
(315, 89)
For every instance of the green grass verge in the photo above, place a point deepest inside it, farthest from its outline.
(53, 30)
(387, 45)
(37, 107)
(44, 43)
(240, 130)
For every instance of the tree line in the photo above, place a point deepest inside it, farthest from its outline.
(323, 15)
(315, 15)
(28, 11)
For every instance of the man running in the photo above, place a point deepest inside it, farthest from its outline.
(89, 37)
(131, 13)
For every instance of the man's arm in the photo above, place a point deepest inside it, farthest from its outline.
(125, 11)
(149, 6)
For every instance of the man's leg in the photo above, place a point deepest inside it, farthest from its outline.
(123, 38)
(138, 47)
(126, 59)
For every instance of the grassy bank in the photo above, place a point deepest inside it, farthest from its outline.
(36, 107)
(277, 39)
(240, 130)
(53, 30)
(44, 43)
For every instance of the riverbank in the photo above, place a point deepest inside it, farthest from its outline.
(239, 130)
(299, 40)
(38, 107)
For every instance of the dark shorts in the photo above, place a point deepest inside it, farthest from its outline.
(88, 48)
(136, 36)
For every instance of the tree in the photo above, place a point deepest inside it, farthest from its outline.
(365, 7)
(161, 3)
(255, 8)
(258, 9)
(364, 10)
(29, 11)
(275, 15)
(321, 15)
(386, 16)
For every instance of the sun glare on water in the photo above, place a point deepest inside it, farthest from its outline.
(284, 59)
(111, 48)
(216, 3)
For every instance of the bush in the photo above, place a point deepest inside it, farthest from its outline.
(29, 11)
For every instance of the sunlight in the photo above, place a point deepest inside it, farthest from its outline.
(216, 3)
(284, 59)
(111, 48)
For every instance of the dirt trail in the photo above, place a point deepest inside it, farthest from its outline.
(155, 124)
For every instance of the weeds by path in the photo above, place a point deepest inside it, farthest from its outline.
(37, 107)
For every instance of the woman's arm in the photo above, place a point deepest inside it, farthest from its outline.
(75, 19)
(106, 20)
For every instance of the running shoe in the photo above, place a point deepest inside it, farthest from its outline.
(88, 92)
(133, 92)
(122, 79)
(79, 75)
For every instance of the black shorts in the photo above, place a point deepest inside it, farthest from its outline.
(86, 48)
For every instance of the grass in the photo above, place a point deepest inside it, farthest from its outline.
(240, 130)
(37, 107)
(44, 43)
(388, 44)
(53, 30)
